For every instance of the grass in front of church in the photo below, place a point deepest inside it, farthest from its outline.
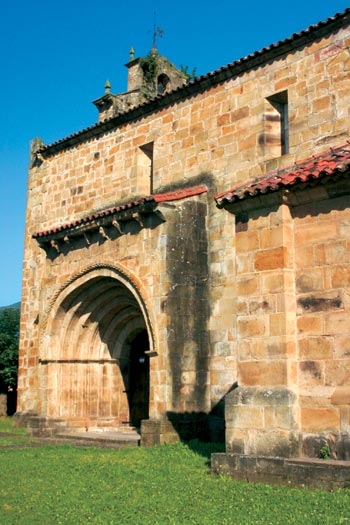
(166, 485)
(6, 425)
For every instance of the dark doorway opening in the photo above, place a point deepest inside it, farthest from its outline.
(11, 402)
(139, 379)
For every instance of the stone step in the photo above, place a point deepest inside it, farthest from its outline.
(125, 438)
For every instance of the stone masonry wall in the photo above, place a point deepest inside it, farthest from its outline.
(292, 326)
(219, 137)
(261, 414)
(322, 263)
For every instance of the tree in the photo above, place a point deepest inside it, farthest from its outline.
(9, 336)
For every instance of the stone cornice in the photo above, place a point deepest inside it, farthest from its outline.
(109, 222)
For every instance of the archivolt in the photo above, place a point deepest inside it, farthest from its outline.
(90, 309)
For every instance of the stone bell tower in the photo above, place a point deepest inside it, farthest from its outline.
(148, 77)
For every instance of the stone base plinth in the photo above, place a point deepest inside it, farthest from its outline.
(294, 472)
(41, 426)
(20, 419)
(157, 432)
(262, 421)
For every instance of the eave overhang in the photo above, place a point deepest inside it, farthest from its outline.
(112, 217)
(203, 83)
(328, 167)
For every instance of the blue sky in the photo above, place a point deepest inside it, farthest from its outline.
(56, 57)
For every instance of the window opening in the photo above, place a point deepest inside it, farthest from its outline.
(162, 83)
(146, 164)
(276, 123)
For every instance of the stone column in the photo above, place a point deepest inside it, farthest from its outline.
(261, 414)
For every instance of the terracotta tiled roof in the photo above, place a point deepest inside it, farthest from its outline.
(142, 205)
(203, 82)
(332, 163)
(179, 194)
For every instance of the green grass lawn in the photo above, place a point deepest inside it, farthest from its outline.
(170, 484)
(6, 425)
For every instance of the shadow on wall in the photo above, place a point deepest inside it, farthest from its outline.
(110, 232)
(209, 427)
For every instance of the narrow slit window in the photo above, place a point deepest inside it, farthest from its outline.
(145, 165)
(276, 131)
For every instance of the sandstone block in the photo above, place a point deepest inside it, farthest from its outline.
(262, 305)
(341, 276)
(310, 324)
(244, 263)
(316, 348)
(321, 103)
(276, 237)
(282, 324)
(337, 372)
(248, 285)
(272, 282)
(337, 322)
(311, 373)
(251, 327)
(310, 280)
(316, 231)
(285, 83)
(223, 119)
(246, 417)
(247, 241)
(341, 346)
(341, 396)
(271, 259)
(270, 348)
(270, 396)
(319, 419)
(260, 373)
(240, 113)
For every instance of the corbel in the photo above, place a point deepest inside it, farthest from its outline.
(102, 232)
(116, 225)
(55, 245)
(138, 218)
(87, 240)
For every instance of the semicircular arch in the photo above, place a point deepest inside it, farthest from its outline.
(94, 297)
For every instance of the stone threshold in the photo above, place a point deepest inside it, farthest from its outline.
(84, 439)
(121, 438)
(294, 472)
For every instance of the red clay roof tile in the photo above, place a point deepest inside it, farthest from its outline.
(332, 163)
(137, 204)
(180, 194)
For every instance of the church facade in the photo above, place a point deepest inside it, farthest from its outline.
(187, 258)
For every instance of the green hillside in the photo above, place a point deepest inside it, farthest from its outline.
(14, 306)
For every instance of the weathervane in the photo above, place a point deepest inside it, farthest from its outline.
(157, 31)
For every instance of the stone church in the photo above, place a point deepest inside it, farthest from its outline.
(187, 257)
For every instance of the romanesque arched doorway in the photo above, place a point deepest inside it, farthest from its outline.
(95, 363)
